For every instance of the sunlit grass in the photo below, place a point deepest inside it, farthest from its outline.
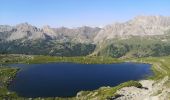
(160, 67)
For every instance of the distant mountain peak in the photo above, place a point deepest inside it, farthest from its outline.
(26, 27)
(138, 26)
(46, 27)
(25, 24)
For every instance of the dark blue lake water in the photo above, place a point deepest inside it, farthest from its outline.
(66, 79)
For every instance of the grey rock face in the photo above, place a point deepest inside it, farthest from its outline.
(139, 26)
(26, 31)
(80, 34)
(5, 32)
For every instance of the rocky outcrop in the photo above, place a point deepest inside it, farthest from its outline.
(152, 90)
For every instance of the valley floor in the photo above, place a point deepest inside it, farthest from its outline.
(154, 88)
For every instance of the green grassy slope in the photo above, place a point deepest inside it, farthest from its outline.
(135, 47)
(44, 47)
(160, 66)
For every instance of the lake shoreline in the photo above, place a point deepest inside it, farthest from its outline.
(131, 71)
(151, 60)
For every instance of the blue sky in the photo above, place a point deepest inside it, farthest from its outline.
(74, 13)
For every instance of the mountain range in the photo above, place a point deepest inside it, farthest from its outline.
(139, 37)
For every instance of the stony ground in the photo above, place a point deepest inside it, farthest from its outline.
(152, 90)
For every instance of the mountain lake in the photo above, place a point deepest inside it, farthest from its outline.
(67, 79)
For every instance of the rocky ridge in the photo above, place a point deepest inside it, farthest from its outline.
(28, 32)
(139, 26)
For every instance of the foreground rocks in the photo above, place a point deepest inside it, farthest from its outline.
(152, 90)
